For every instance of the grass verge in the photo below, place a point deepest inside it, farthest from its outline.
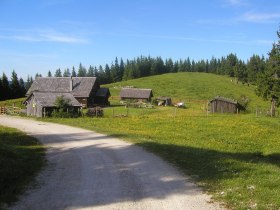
(21, 158)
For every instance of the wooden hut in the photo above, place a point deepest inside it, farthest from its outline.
(102, 96)
(224, 105)
(136, 94)
(83, 89)
(40, 104)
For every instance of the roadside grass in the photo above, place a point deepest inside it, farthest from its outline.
(21, 158)
(235, 158)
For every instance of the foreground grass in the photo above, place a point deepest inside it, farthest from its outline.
(21, 157)
(234, 157)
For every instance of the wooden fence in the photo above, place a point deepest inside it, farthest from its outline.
(9, 110)
(3, 110)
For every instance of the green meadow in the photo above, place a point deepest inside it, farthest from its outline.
(235, 158)
(21, 158)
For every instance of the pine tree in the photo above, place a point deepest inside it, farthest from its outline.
(107, 74)
(73, 74)
(15, 87)
(22, 87)
(66, 73)
(269, 82)
(6, 87)
(82, 71)
(90, 72)
(49, 73)
(58, 73)
(1, 90)
(121, 71)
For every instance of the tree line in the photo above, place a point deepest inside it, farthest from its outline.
(258, 70)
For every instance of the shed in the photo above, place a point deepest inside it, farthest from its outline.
(136, 94)
(40, 104)
(166, 101)
(224, 105)
(102, 96)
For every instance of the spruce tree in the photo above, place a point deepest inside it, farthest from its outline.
(22, 87)
(6, 87)
(15, 87)
(58, 73)
(73, 74)
(66, 73)
(269, 82)
(1, 89)
(49, 73)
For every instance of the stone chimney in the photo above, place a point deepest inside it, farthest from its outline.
(71, 84)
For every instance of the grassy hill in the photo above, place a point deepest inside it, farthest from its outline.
(193, 85)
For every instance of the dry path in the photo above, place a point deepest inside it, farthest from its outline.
(87, 170)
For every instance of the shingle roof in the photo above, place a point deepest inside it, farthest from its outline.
(82, 86)
(47, 99)
(220, 98)
(136, 93)
(102, 92)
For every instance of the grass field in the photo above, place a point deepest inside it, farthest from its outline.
(21, 157)
(235, 158)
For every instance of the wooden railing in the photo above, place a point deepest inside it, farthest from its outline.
(3, 110)
(9, 110)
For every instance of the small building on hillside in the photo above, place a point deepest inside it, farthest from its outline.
(40, 104)
(136, 94)
(102, 96)
(224, 105)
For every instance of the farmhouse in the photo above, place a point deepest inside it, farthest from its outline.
(224, 105)
(80, 91)
(136, 94)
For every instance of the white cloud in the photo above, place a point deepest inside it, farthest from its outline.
(260, 17)
(44, 36)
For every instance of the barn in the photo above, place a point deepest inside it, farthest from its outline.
(224, 105)
(136, 94)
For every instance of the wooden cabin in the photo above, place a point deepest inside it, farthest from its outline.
(136, 94)
(41, 104)
(224, 105)
(82, 88)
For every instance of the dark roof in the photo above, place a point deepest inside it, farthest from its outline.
(220, 98)
(136, 93)
(81, 86)
(47, 99)
(103, 92)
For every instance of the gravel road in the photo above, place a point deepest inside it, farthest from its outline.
(88, 170)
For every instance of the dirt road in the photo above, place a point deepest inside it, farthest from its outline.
(87, 170)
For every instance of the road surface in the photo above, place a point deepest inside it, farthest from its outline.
(87, 170)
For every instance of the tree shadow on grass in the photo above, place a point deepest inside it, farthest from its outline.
(207, 164)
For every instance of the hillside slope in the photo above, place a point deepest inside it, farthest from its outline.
(192, 85)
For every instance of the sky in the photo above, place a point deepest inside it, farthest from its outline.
(42, 35)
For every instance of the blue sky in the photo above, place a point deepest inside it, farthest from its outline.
(42, 35)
